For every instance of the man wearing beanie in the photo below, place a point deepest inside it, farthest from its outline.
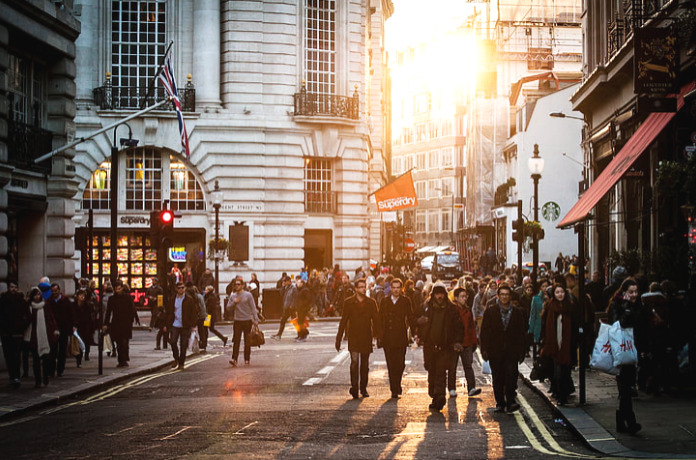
(441, 333)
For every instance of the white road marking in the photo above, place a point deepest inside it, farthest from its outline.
(325, 370)
(240, 431)
(175, 434)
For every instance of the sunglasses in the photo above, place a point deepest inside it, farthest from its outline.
(181, 287)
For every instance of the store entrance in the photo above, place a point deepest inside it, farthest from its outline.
(138, 260)
(318, 249)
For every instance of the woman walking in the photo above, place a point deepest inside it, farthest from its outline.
(243, 308)
(626, 308)
(558, 337)
(84, 310)
(42, 337)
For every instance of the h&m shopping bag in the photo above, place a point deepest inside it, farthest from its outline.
(623, 347)
(602, 358)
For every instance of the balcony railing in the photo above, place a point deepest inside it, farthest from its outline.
(26, 143)
(635, 14)
(110, 97)
(320, 202)
(617, 35)
(327, 105)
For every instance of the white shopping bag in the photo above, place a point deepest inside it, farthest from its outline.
(193, 344)
(486, 368)
(623, 347)
(602, 359)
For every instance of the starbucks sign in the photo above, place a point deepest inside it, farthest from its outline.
(551, 211)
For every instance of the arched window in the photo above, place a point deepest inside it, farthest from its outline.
(151, 176)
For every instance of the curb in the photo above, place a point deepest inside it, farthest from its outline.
(594, 435)
(89, 387)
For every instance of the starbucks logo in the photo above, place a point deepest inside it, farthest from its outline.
(551, 211)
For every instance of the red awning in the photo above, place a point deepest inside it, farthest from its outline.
(641, 139)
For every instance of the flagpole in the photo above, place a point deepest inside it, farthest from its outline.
(391, 182)
(154, 79)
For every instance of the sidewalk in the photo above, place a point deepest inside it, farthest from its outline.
(669, 422)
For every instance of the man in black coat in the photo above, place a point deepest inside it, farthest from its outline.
(15, 316)
(396, 315)
(63, 311)
(441, 332)
(503, 332)
(181, 315)
(360, 321)
(120, 314)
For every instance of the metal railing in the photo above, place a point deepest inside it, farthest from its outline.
(321, 202)
(26, 143)
(109, 97)
(331, 105)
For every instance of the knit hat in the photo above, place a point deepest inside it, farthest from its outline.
(45, 290)
(619, 273)
(439, 287)
(420, 284)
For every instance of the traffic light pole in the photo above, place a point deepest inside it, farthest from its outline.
(519, 243)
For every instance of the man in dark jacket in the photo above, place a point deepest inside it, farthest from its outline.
(361, 321)
(304, 304)
(119, 318)
(396, 316)
(182, 316)
(14, 319)
(503, 331)
(289, 294)
(64, 314)
(441, 333)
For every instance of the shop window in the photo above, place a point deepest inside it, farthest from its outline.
(184, 192)
(97, 194)
(147, 170)
(143, 179)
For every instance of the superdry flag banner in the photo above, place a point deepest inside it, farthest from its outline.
(169, 83)
(400, 194)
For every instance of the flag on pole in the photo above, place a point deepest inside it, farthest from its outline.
(399, 194)
(169, 83)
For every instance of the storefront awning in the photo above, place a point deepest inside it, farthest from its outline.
(425, 249)
(636, 145)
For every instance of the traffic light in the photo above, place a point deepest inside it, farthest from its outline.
(166, 226)
(518, 230)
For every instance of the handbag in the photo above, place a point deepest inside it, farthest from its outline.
(542, 368)
(623, 347)
(602, 358)
(193, 343)
(256, 338)
(74, 346)
(108, 344)
(206, 323)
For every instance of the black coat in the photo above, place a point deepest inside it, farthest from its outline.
(14, 314)
(396, 319)
(189, 315)
(120, 314)
(362, 324)
(498, 343)
(452, 331)
(64, 313)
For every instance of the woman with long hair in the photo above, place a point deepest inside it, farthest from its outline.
(625, 307)
(42, 336)
(558, 340)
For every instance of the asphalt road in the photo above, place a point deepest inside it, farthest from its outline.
(292, 401)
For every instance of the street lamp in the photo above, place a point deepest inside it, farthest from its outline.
(563, 115)
(536, 167)
(216, 195)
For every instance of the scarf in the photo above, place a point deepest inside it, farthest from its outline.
(42, 344)
(505, 314)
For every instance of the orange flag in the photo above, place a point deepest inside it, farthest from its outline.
(399, 194)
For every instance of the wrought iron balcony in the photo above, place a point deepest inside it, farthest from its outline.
(26, 143)
(110, 97)
(324, 202)
(617, 35)
(327, 105)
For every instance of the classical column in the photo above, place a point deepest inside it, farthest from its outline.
(206, 52)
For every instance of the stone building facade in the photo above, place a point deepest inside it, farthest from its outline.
(37, 110)
(281, 104)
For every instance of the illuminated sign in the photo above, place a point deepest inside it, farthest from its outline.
(177, 254)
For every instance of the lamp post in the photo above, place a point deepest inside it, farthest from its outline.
(536, 167)
(217, 202)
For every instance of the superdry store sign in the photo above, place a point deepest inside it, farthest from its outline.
(399, 194)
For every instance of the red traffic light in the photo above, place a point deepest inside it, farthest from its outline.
(166, 216)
